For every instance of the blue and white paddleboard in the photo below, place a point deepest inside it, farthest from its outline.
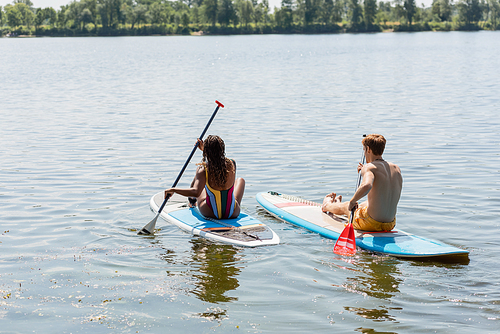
(242, 231)
(309, 215)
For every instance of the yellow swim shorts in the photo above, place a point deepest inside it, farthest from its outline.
(362, 221)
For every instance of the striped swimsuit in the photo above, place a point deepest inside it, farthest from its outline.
(221, 202)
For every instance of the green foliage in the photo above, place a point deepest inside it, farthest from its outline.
(410, 9)
(164, 17)
(210, 8)
(355, 14)
(441, 10)
(494, 14)
(469, 14)
(245, 11)
(369, 13)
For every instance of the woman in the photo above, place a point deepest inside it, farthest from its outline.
(217, 191)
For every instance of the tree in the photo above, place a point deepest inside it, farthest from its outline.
(85, 17)
(469, 12)
(28, 3)
(246, 11)
(157, 13)
(286, 13)
(383, 13)
(369, 12)
(338, 10)
(410, 9)
(91, 5)
(264, 5)
(397, 11)
(111, 12)
(136, 14)
(227, 12)
(195, 14)
(494, 12)
(61, 17)
(311, 8)
(51, 15)
(73, 13)
(39, 18)
(14, 16)
(441, 9)
(354, 12)
(326, 11)
(259, 12)
(26, 14)
(210, 8)
(185, 19)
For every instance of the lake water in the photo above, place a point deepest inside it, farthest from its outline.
(91, 128)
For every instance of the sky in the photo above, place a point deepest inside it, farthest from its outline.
(56, 4)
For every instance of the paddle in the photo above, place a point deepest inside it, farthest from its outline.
(149, 228)
(346, 243)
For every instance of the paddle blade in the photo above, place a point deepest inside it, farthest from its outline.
(149, 227)
(346, 243)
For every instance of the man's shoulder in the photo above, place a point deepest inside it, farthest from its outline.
(393, 165)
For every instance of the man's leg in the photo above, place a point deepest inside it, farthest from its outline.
(334, 204)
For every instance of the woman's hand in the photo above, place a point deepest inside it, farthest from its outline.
(169, 192)
(200, 144)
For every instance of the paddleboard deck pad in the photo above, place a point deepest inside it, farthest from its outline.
(241, 231)
(309, 215)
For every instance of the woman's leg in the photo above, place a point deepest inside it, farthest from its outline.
(239, 189)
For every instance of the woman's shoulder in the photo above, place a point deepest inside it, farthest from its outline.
(233, 162)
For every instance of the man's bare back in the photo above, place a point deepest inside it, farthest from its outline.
(383, 198)
(382, 184)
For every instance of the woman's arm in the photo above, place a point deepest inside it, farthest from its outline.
(196, 187)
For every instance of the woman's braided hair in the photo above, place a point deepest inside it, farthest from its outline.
(215, 157)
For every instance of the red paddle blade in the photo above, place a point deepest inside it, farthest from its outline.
(346, 243)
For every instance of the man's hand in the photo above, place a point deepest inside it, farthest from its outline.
(360, 166)
(352, 205)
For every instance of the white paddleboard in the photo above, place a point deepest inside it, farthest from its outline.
(241, 231)
(309, 215)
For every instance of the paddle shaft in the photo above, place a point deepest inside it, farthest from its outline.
(358, 182)
(191, 155)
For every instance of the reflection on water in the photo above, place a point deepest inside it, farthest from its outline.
(381, 314)
(380, 277)
(377, 277)
(212, 271)
(371, 331)
(216, 271)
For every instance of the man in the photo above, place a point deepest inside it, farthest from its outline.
(382, 182)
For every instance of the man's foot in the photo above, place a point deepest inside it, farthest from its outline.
(329, 199)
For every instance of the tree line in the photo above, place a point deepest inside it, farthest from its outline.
(149, 17)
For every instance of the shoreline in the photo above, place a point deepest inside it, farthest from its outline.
(201, 33)
(204, 30)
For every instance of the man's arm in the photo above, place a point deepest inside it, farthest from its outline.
(365, 186)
